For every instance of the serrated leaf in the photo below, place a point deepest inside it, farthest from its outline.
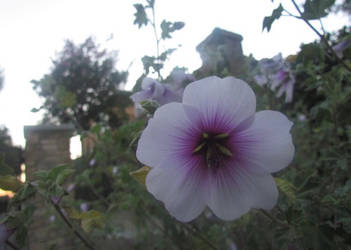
(10, 183)
(140, 174)
(148, 61)
(268, 20)
(151, 3)
(315, 9)
(286, 188)
(164, 55)
(140, 15)
(168, 27)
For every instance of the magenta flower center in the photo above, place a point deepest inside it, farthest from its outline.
(213, 147)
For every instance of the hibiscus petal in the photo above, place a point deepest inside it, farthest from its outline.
(265, 193)
(172, 130)
(224, 103)
(234, 190)
(267, 143)
(179, 187)
(227, 193)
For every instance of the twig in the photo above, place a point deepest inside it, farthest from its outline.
(277, 221)
(69, 224)
(12, 245)
(322, 26)
(153, 23)
(199, 235)
(322, 37)
(290, 14)
(163, 231)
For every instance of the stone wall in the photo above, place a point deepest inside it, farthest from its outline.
(46, 147)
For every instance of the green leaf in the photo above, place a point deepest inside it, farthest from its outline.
(140, 174)
(56, 171)
(149, 106)
(64, 175)
(10, 183)
(169, 27)
(151, 3)
(286, 188)
(91, 219)
(164, 55)
(315, 9)
(140, 15)
(41, 174)
(311, 52)
(27, 191)
(148, 61)
(268, 20)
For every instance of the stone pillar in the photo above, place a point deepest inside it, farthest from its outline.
(221, 53)
(46, 147)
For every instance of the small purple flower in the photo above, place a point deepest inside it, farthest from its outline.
(84, 207)
(92, 162)
(179, 77)
(214, 150)
(277, 73)
(70, 187)
(272, 64)
(154, 90)
(340, 47)
(5, 233)
(285, 81)
(56, 199)
(301, 118)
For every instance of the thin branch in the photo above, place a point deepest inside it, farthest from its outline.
(277, 221)
(163, 231)
(69, 224)
(199, 235)
(322, 26)
(9, 243)
(290, 14)
(153, 23)
(322, 37)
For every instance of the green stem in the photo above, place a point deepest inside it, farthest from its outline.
(153, 23)
(9, 243)
(69, 224)
(325, 41)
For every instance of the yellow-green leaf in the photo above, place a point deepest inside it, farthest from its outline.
(73, 213)
(91, 219)
(140, 174)
(10, 183)
(286, 188)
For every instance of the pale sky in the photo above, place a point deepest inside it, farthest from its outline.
(32, 31)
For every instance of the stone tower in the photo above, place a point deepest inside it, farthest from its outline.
(221, 50)
(46, 147)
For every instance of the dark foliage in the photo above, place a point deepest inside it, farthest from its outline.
(82, 87)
